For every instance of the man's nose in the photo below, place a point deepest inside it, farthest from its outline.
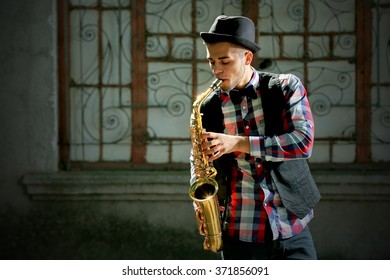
(217, 69)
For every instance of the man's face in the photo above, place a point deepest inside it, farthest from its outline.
(229, 64)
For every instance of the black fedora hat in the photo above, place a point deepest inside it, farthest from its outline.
(234, 29)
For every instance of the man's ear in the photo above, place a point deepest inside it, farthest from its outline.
(248, 58)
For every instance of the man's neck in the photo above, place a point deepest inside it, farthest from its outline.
(247, 78)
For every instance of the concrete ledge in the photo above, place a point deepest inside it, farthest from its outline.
(173, 185)
(353, 185)
(109, 185)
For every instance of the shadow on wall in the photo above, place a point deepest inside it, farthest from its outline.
(61, 234)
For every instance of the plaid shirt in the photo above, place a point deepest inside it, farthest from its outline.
(254, 196)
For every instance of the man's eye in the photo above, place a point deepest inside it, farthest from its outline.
(225, 62)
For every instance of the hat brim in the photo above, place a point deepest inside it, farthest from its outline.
(216, 37)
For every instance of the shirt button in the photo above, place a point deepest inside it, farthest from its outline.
(247, 127)
(244, 107)
(265, 204)
(258, 166)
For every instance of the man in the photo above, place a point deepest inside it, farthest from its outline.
(259, 133)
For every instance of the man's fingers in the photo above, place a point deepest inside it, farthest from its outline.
(215, 156)
(208, 134)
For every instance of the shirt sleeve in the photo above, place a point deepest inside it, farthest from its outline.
(297, 141)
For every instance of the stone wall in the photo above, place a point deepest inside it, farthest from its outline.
(350, 220)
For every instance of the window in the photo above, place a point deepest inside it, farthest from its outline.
(130, 69)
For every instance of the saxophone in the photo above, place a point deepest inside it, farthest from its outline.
(204, 190)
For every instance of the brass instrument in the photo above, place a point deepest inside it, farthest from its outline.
(204, 190)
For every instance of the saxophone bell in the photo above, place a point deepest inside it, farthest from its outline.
(204, 193)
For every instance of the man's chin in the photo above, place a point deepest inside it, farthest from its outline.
(225, 85)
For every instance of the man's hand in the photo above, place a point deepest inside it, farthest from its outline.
(217, 144)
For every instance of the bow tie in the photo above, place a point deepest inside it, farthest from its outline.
(236, 95)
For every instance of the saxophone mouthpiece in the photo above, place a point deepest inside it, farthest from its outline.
(216, 84)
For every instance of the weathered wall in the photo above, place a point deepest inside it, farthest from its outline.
(350, 221)
(28, 98)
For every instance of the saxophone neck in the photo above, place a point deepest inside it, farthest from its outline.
(204, 95)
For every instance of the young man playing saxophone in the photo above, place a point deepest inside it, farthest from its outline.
(259, 131)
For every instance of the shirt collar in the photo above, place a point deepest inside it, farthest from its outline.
(254, 80)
